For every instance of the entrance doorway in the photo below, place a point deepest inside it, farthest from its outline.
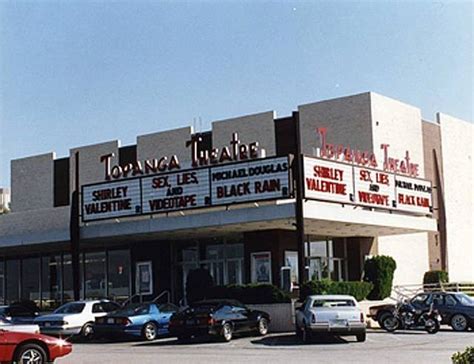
(223, 258)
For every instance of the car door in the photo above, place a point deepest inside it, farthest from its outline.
(450, 308)
(241, 318)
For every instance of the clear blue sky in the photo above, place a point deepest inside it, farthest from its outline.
(74, 73)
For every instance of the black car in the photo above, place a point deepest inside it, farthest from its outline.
(218, 318)
(20, 312)
(456, 308)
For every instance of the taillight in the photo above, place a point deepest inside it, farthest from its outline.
(313, 318)
(211, 321)
(100, 320)
(361, 317)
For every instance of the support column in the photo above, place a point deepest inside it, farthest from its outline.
(299, 184)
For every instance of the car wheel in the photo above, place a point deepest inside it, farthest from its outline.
(30, 354)
(226, 332)
(262, 326)
(382, 318)
(149, 331)
(390, 323)
(87, 330)
(361, 337)
(459, 322)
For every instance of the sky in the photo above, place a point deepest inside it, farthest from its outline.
(74, 73)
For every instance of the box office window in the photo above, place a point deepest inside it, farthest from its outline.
(51, 282)
(118, 274)
(30, 276)
(94, 275)
(13, 281)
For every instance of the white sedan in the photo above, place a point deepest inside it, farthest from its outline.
(75, 318)
(7, 325)
(330, 314)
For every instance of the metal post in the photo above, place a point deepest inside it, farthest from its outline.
(74, 230)
(299, 179)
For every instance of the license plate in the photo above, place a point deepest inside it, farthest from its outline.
(339, 323)
(110, 321)
(47, 324)
(191, 322)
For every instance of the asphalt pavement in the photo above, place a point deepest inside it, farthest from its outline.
(380, 347)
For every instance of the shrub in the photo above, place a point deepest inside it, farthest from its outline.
(379, 271)
(250, 293)
(465, 357)
(358, 289)
(198, 283)
(435, 276)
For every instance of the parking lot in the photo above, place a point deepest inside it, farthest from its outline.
(380, 347)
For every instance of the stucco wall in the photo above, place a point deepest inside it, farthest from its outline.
(90, 168)
(400, 125)
(32, 182)
(410, 251)
(397, 124)
(457, 148)
(251, 128)
(347, 119)
(165, 143)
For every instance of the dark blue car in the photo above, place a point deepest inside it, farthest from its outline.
(145, 320)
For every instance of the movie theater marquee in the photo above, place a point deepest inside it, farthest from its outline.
(246, 181)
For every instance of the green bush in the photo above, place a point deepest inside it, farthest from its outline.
(435, 276)
(198, 283)
(465, 357)
(358, 289)
(250, 293)
(379, 271)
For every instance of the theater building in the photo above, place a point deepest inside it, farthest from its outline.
(252, 200)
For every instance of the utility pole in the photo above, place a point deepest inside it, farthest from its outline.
(299, 216)
(75, 233)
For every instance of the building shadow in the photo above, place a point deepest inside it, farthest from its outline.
(292, 340)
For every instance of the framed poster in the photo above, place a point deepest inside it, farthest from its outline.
(291, 261)
(261, 266)
(144, 278)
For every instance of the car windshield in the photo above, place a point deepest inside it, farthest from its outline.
(135, 309)
(73, 307)
(333, 303)
(464, 299)
(168, 307)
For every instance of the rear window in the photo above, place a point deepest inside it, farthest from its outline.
(333, 303)
(137, 309)
(71, 308)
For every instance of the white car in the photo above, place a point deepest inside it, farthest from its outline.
(7, 325)
(75, 318)
(330, 314)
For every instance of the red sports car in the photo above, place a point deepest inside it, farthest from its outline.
(23, 348)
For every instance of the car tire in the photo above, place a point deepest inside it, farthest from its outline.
(262, 326)
(226, 332)
(149, 331)
(29, 352)
(391, 325)
(382, 318)
(459, 322)
(87, 331)
(361, 337)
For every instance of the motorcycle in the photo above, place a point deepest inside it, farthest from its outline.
(405, 316)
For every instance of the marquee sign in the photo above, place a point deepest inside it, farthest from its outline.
(347, 183)
(324, 180)
(253, 181)
(239, 182)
